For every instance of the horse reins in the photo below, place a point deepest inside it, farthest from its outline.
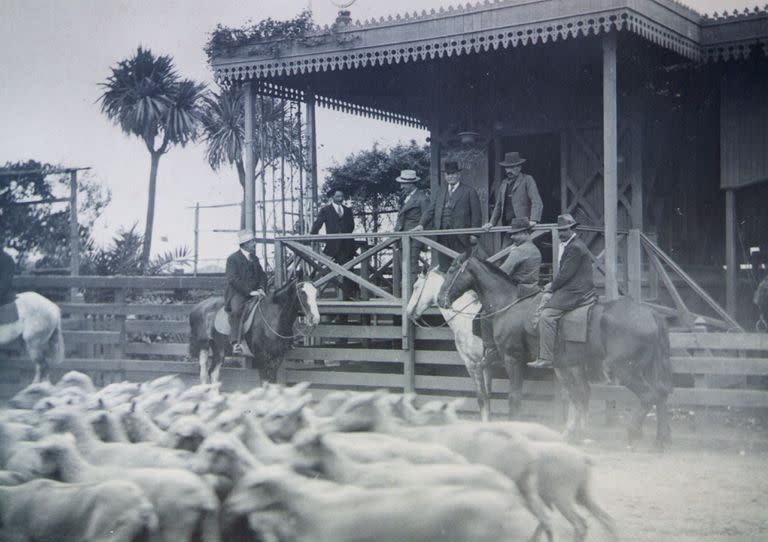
(273, 330)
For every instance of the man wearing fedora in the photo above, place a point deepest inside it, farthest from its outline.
(572, 287)
(517, 197)
(522, 265)
(337, 218)
(245, 279)
(455, 205)
(414, 203)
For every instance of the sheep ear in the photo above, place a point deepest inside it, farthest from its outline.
(196, 409)
(49, 404)
(101, 403)
(133, 406)
(166, 397)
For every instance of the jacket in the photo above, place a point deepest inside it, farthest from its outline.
(243, 277)
(7, 269)
(522, 265)
(339, 249)
(526, 201)
(410, 213)
(574, 282)
(466, 209)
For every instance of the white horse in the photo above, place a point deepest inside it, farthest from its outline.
(459, 318)
(39, 327)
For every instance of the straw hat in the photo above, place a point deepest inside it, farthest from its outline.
(407, 176)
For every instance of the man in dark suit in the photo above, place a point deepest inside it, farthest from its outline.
(454, 206)
(572, 287)
(7, 269)
(245, 279)
(337, 218)
(414, 202)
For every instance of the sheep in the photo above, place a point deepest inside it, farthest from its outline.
(28, 396)
(12, 478)
(107, 426)
(318, 457)
(138, 425)
(326, 512)
(16, 454)
(48, 511)
(182, 501)
(78, 380)
(186, 433)
(63, 420)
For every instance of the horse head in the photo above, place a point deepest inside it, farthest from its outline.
(457, 281)
(425, 291)
(307, 294)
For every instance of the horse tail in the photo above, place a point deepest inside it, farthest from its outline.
(56, 343)
(663, 366)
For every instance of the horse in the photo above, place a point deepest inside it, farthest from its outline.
(269, 336)
(459, 318)
(627, 339)
(38, 326)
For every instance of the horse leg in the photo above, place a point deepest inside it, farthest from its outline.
(203, 360)
(663, 430)
(515, 374)
(36, 352)
(217, 363)
(570, 380)
(629, 376)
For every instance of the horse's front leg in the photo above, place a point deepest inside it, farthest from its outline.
(568, 379)
(203, 361)
(513, 367)
(630, 377)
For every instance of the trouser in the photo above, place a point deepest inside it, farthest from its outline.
(548, 332)
(236, 305)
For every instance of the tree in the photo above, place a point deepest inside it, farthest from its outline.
(41, 231)
(145, 96)
(368, 179)
(223, 123)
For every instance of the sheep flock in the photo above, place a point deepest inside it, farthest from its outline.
(160, 461)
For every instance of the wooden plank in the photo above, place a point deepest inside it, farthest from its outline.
(434, 333)
(92, 337)
(157, 326)
(161, 349)
(610, 162)
(343, 379)
(684, 313)
(720, 365)
(171, 282)
(138, 309)
(722, 341)
(357, 332)
(435, 357)
(374, 355)
(358, 259)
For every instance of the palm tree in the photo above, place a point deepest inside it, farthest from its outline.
(224, 127)
(146, 97)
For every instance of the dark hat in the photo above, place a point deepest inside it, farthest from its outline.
(407, 176)
(331, 192)
(566, 221)
(451, 167)
(512, 159)
(519, 224)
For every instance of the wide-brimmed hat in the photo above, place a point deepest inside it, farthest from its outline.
(408, 176)
(566, 221)
(512, 159)
(519, 224)
(243, 236)
(451, 167)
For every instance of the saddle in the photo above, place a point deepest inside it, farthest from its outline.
(9, 314)
(221, 320)
(573, 325)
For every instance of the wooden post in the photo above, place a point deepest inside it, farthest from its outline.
(250, 159)
(312, 150)
(634, 267)
(74, 232)
(409, 350)
(263, 161)
(120, 299)
(197, 237)
(563, 170)
(636, 171)
(610, 161)
(555, 252)
(279, 264)
(731, 262)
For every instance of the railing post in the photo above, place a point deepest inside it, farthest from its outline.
(279, 264)
(634, 265)
(409, 350)
(120, 299)
(555, 253)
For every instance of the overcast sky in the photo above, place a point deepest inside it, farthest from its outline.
(53, 54)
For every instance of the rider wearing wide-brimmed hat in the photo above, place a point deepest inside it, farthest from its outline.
(414, 203)
(573, 286)
(245, 279)
(517, 196)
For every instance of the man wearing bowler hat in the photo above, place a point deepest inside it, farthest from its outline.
(522, 265)
(245, 279)
(455, 205)
(572, 287)
(517, 197)
(414, 203)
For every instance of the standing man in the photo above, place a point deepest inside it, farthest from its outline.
(7, 269)
(522, 265)
(454, 206)
(517, 197)
(245, 279)
(337, 218)
(414, 203)
(572, 287)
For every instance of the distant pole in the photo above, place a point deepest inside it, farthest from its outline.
(731, 262)
(302, 218)
(312, 149)
(250, 159)
(74, 231)
(262, 153)
(610, 165)
(282, 162)
(197, 236)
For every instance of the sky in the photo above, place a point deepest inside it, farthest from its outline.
(54, 54)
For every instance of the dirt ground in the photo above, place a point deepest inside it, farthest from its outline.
(692, 492)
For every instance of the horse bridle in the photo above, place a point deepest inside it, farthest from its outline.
(453, 281)
(304, 308)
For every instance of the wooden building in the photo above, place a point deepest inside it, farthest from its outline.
(634, 114)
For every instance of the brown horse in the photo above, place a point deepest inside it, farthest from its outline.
(626, 339)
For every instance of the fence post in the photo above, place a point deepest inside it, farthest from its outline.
(409, 350)
(279, 264)
(120, 299)
(634, 265)
(555, 252)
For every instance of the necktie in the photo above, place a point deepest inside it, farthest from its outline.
(339, 210)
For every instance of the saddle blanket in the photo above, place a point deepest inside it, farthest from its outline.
(9, 313)
(574, 324)
(221, 324)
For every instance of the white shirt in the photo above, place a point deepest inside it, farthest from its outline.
(562, 248)
(246, 254)
(339, 209)
(452, 188)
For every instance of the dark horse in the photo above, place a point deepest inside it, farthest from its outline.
(627, 339)
(269, 336)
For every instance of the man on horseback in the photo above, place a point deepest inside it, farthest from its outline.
(522, 265)
(245, 279)
(7, 268)
(572, 287)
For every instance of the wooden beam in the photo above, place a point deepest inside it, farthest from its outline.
(312, 150)
(634, 265)
(610, 159)
(359, 259)
(636, 168)
(250, 159)
(731, 262)
(74, 232)
(684, 313)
